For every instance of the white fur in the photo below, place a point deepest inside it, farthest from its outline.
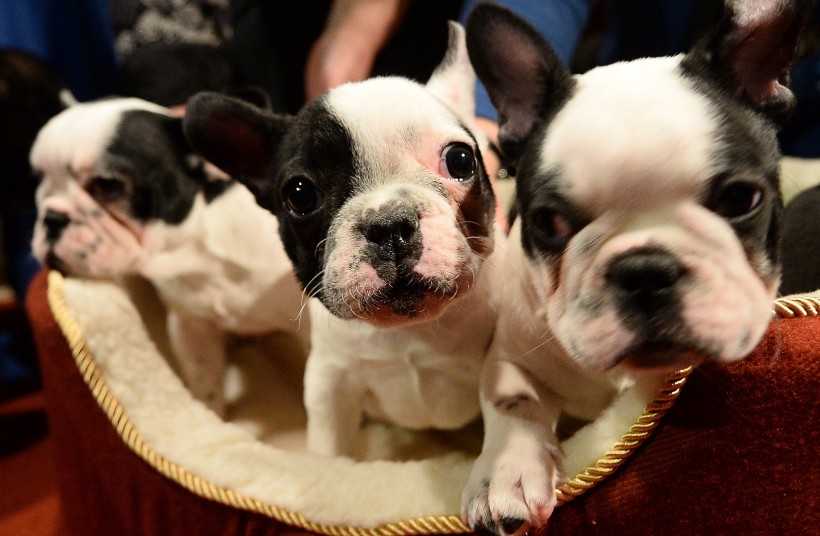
(610, 149)
(422, 375)
(221, 270)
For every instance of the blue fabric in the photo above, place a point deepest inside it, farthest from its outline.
(561, 22)
(73, 36)
(76, 39)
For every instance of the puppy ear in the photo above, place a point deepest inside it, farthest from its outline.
(453, 81)
(237, 137)
(67, 98)
(253, 95)
(523, 75)
(750, 53)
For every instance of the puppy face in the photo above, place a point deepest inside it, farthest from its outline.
(390, 210)
(648, 235)
(648, 190)
(109, 170)
(383, 202)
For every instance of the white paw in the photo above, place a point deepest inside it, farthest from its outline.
(512, 492)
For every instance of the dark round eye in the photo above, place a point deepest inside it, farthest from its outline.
(106, 189)
(738, 199)
(553, 228)
(459, 162)
(301, 196)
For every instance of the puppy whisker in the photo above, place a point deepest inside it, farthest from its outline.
(546, 340)
(320, 246)
(307, 294)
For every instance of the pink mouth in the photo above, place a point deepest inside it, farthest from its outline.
(405, 304)
(386, 315)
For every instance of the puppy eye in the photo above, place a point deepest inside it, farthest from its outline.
(106, 189)
(738, 199)
(554, 229)
(301, 196)
(458, 162)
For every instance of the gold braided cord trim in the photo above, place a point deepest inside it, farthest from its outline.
(609, 463)
(797, 306)
(637, 434)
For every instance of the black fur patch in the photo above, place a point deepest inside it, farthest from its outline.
(537, 191)
(150, 150)
(319, 147)
(478, 207)
(212, 189)
(745, 148)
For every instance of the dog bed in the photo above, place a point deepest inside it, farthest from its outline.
(721, 449)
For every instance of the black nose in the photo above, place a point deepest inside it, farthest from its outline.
(645, 280)
(394, 233)
(55, 222)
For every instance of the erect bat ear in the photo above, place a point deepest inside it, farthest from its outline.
(524, 77)
(453, 81)
(750, 53)
(237, 137)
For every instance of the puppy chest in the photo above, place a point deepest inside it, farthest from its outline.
(422, 390)
(239, 304)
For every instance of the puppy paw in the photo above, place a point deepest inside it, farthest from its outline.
(512, 493)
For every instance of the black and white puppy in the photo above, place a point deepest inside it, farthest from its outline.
(122, 193)
(648, 230)
(387, 213)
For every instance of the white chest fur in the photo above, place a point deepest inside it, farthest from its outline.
(418, 376)
(421, 376)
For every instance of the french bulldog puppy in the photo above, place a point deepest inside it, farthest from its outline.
(386, 210)
(122, 194)
(647, 237)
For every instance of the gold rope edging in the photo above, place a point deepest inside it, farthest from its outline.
(637, 434)
(604, 467)
(797, 306)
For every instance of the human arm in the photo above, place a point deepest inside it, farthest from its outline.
(355, 32)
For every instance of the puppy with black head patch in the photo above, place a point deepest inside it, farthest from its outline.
(387, 213)
(123, 194)
(648, 231)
